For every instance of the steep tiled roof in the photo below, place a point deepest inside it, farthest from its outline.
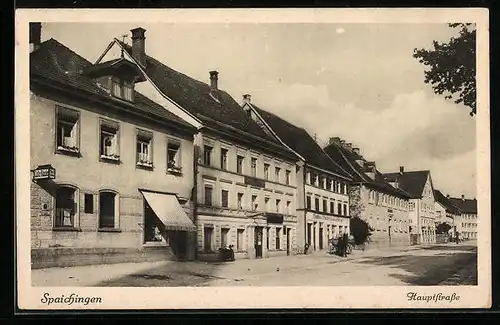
(412, 182)
(301, 142)
(347, 159)
(196, 97)
(55, 62)
(465, 205)
(448, 205)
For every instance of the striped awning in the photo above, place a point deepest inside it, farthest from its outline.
(169, 211)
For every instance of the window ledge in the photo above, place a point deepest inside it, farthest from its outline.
(110, 159)
(68, 151)
(109, 230)
(176, 171)
(155, 244)
(66, 228)
(144, 166)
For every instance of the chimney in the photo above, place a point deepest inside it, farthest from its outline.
(371, 169)
(401, 170)
(139, 45)
(333, 140)
(247, 98)
(348, 146)
(356, 151)
(342, 142)
(213, 80)
(35, 35)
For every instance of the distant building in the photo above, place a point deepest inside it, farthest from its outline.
(244, 186)
(467, 222)
(322, 185)
(446, 212)
(421, 204)
(382, 206)
(104, 159)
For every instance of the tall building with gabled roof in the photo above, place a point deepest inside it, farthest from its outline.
(467, 222)
(382, 206)
(322, 184)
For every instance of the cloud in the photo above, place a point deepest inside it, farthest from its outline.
(416, 129)
(340, 30)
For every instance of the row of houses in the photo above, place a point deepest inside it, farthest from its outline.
(186, 170)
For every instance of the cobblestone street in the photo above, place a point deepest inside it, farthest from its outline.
(447, 264)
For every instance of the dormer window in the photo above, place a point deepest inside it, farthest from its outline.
(122, 89)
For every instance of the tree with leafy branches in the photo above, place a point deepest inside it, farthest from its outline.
(452, 66)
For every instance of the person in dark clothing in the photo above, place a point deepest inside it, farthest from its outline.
(345, 240)
(342, 246)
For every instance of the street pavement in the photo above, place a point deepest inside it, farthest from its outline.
(447, 264)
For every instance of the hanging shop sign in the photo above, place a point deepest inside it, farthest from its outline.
(43, 172)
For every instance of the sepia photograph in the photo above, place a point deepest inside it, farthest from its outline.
(240, 155)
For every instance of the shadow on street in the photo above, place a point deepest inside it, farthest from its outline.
(428, 270)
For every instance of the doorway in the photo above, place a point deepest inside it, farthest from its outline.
(287, 241)
(258, 242)
(321, 238)
(309, 233)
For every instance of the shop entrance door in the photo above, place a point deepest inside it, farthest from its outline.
(258, 242)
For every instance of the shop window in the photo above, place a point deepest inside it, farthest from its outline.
(144, 149)
(224, 237)
(239, 239)
(174, 157)
(109, 140)
(108, 209)
(66, 207)
(68, 130)
(225, 198)
(89, 203)
(207, 238)
(278, 238)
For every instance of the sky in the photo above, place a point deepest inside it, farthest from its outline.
(355, 81)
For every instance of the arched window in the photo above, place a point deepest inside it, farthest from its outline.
(66, 207)
(108, 209)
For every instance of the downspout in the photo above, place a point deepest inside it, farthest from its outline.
(195, 196)
(304, 205)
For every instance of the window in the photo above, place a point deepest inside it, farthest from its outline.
(122, 89)
(316, 179)
(239, 164)
(337, 187)
(332, 206)
(325, 205)
(224, 237)
(107, 209)
(239, 239)
(266, 202)
(225, 198)
(173, 156)
(66, 207)
(109, 140)
(89, 203)
(207, 155)
(288, 207)
(345, 188)
(339, 209)
(255, 205)
(316, 204)
(223, 159)
(266, 171)
(323, 182)
(208, 237)
(68, 130)
(254, 167)
(278, 205)
(240, 201)
(331, 185)
(308, 202)
(278, 237)
(208, 195)
(144, 148)
(268, 233)
(277, 171)
(345, 209)
(308, 178)
(287, 177)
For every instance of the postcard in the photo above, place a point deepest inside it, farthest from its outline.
(256, 158)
